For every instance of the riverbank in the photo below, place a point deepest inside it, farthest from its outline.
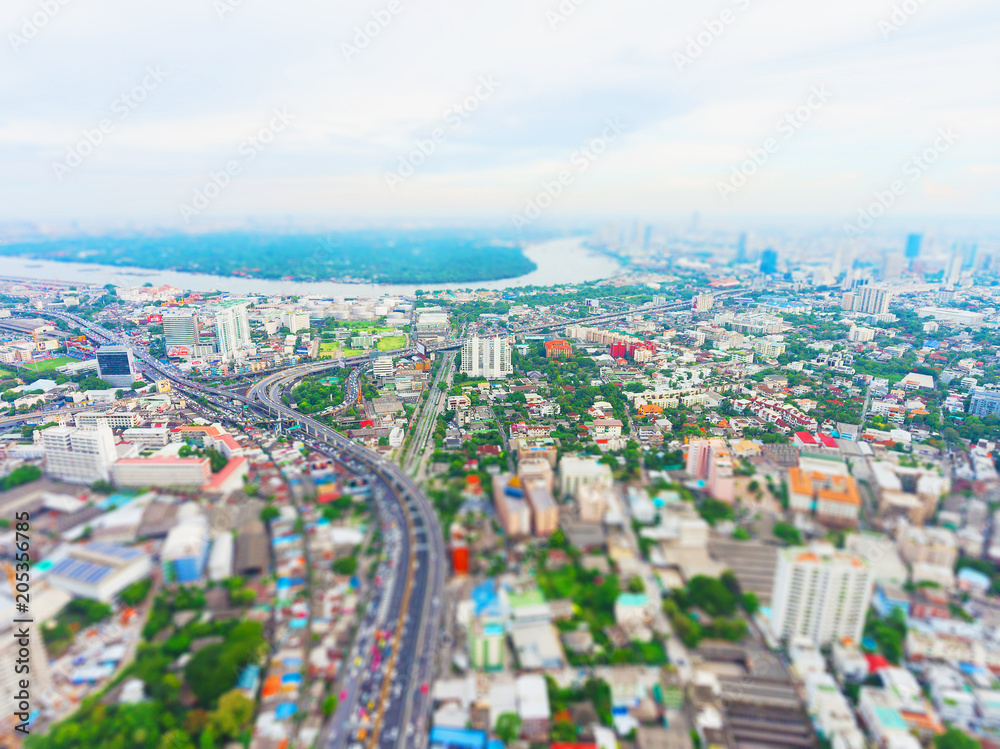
(557, 261)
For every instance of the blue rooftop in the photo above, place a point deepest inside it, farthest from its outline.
(460, 738)
(86, 572)
(484, 596)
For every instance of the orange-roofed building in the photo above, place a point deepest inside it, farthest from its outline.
(558, 349)
(271, 687)
(822, 486)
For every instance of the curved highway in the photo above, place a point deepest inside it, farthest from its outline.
(409, 607)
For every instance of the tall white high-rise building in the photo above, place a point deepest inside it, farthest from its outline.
(872, 300)
(820, 593)
(487, 357)
(81, 456)
(232, 328)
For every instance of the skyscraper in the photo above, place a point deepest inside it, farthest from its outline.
(181, 330)
(741, 248)
(820, 593)
(232, 328)
(115, 365)
(954, 271)
(487, 357)
(768, 262)
(913, 243)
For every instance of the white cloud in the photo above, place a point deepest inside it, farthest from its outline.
(557, 85)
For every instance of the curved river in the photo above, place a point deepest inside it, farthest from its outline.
(559, 261)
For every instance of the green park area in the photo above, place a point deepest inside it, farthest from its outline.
(392, 343)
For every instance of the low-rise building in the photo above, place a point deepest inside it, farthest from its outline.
(162, 471)
(99, 570)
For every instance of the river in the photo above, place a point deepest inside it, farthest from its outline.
(559, 261)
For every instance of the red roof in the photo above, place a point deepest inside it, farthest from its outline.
(805, 438)
(827, 440)
(876, 662)
(220, 478)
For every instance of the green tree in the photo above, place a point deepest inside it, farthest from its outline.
(563, 731)
(788, 533)
(711, 595)
(346, 565)
(233, 714)
(135, 593)
(508, 727)
(953, 738)
(269, 513)
(329, 705)
(175, 739)
(21, 475)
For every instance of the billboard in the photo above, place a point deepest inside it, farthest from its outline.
(178, 351)
(422, 349)
(154, 318)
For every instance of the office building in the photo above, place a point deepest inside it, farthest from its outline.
(872, 300)
(537, 482)
(164, 472)
(232, 328)
(710, 461)
(820, 593)
(913, 243)
(741, 248)
(100, 570)
(582, 470)
(985, 402)
(703, 302)
(81, 456)
(958, 317)
(116, 365)
(296, 321)
(768, 262)
(382, 367)
(110, 419)
(181, 330)
(487, 357)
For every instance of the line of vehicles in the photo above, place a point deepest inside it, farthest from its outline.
(396, 717)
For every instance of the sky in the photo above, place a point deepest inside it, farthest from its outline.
(196, 114)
